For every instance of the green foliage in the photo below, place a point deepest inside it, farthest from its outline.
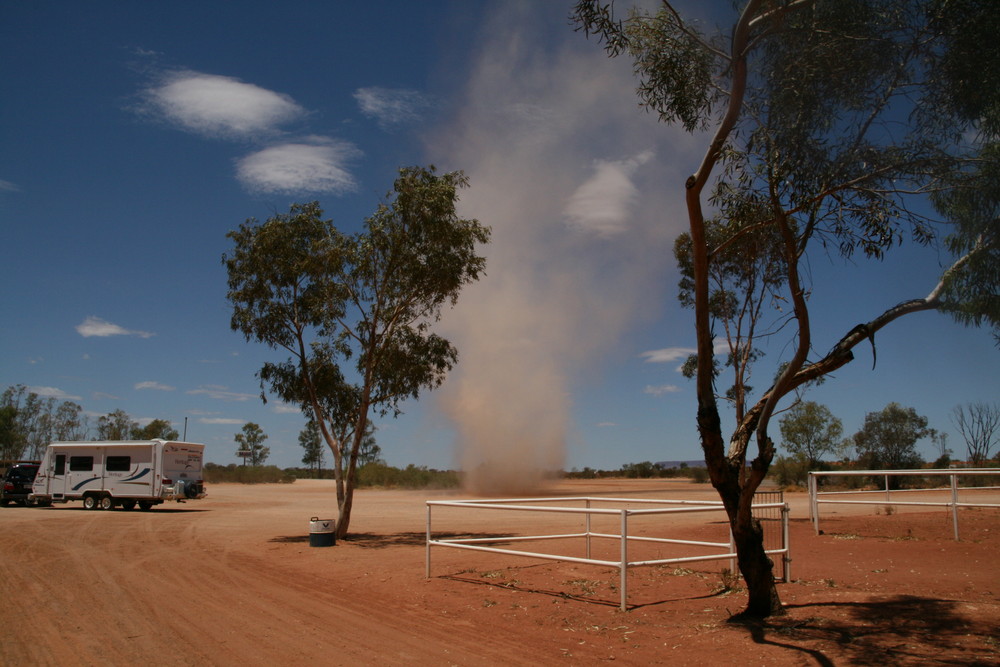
(158, 428)
(378, 474)
(30, 422)
(116, 425)
(238, 474)
(791, 470)
(251, 439)
(810, 430)
(312, 445)
(832, 122)
(888, 439)
(298, 284)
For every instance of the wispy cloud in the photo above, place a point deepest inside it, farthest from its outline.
(660, 390)
(391, 106)
(315, 165)
(221, 393)
(96, 327)
(53, 392)
(603, 203)
(149, 384)
(219, 106)
(667, 354)
(7, 186)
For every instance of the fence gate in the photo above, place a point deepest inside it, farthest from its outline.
(775, 538)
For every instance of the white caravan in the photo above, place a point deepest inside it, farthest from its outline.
(105, 475)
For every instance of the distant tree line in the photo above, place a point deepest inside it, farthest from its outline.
(29, 422)
(887, 440)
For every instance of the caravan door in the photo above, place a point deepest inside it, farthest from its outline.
(56, 482)
(83, 471)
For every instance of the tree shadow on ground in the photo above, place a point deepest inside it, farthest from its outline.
(578, 590)
(899, 630)
(381, 541)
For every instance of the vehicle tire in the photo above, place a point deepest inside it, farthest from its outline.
(90, 502)
(145, 505)
(30, 503)
(106, 503)
(128, 504)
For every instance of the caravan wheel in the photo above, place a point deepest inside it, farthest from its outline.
(128, 504)
(89, 502)
(145, 505)
(107, 503)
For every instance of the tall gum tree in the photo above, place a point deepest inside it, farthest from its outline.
(355, 311)
(834, 126)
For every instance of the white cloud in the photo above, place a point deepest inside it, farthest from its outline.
(603, 203)
(221, 393)
(149, 384)
(667, 354)
(389, 106)
(315, 165)
(220, 106)
(660, 390)
(286, 409)
(53, 392)
(96, 327)
(7, 186)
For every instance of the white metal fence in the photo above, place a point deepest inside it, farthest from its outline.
(891, 497)
(623, 509)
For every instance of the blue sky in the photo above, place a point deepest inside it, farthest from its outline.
(135, 135)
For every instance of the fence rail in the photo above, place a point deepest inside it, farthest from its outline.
(954, 502)
(624, 509)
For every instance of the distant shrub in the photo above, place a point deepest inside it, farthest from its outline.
(411, 477)
(240, 474)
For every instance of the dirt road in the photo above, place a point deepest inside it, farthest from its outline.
(232, 580)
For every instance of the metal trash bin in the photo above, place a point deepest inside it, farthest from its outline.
(321, 532)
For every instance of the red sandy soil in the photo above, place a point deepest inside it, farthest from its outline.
(232, 579)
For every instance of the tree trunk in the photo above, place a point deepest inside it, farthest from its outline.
(756, 567)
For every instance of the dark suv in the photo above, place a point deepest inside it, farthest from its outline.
(16, 483)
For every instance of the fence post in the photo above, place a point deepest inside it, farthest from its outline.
(786, 555)
(623, 576)
(588, 528)
(427, 556)
(814, 501)
(954, 504)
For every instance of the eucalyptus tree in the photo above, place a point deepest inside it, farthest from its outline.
(251, 439)
(888, 439)
(312, 446)
(157, 428)
(326, 297)
(116, 425)
(832, 126)
(979, 425)
(810, 429)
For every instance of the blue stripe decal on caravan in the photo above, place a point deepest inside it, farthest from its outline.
(84, 482)
(135, 477)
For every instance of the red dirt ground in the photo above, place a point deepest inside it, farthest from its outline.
(231, 579)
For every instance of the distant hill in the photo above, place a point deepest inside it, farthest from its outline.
(670, 465)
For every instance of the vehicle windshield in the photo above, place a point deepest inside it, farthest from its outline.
(26, 473)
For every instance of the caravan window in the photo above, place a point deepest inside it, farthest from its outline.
(118, 463)
(81, 463)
